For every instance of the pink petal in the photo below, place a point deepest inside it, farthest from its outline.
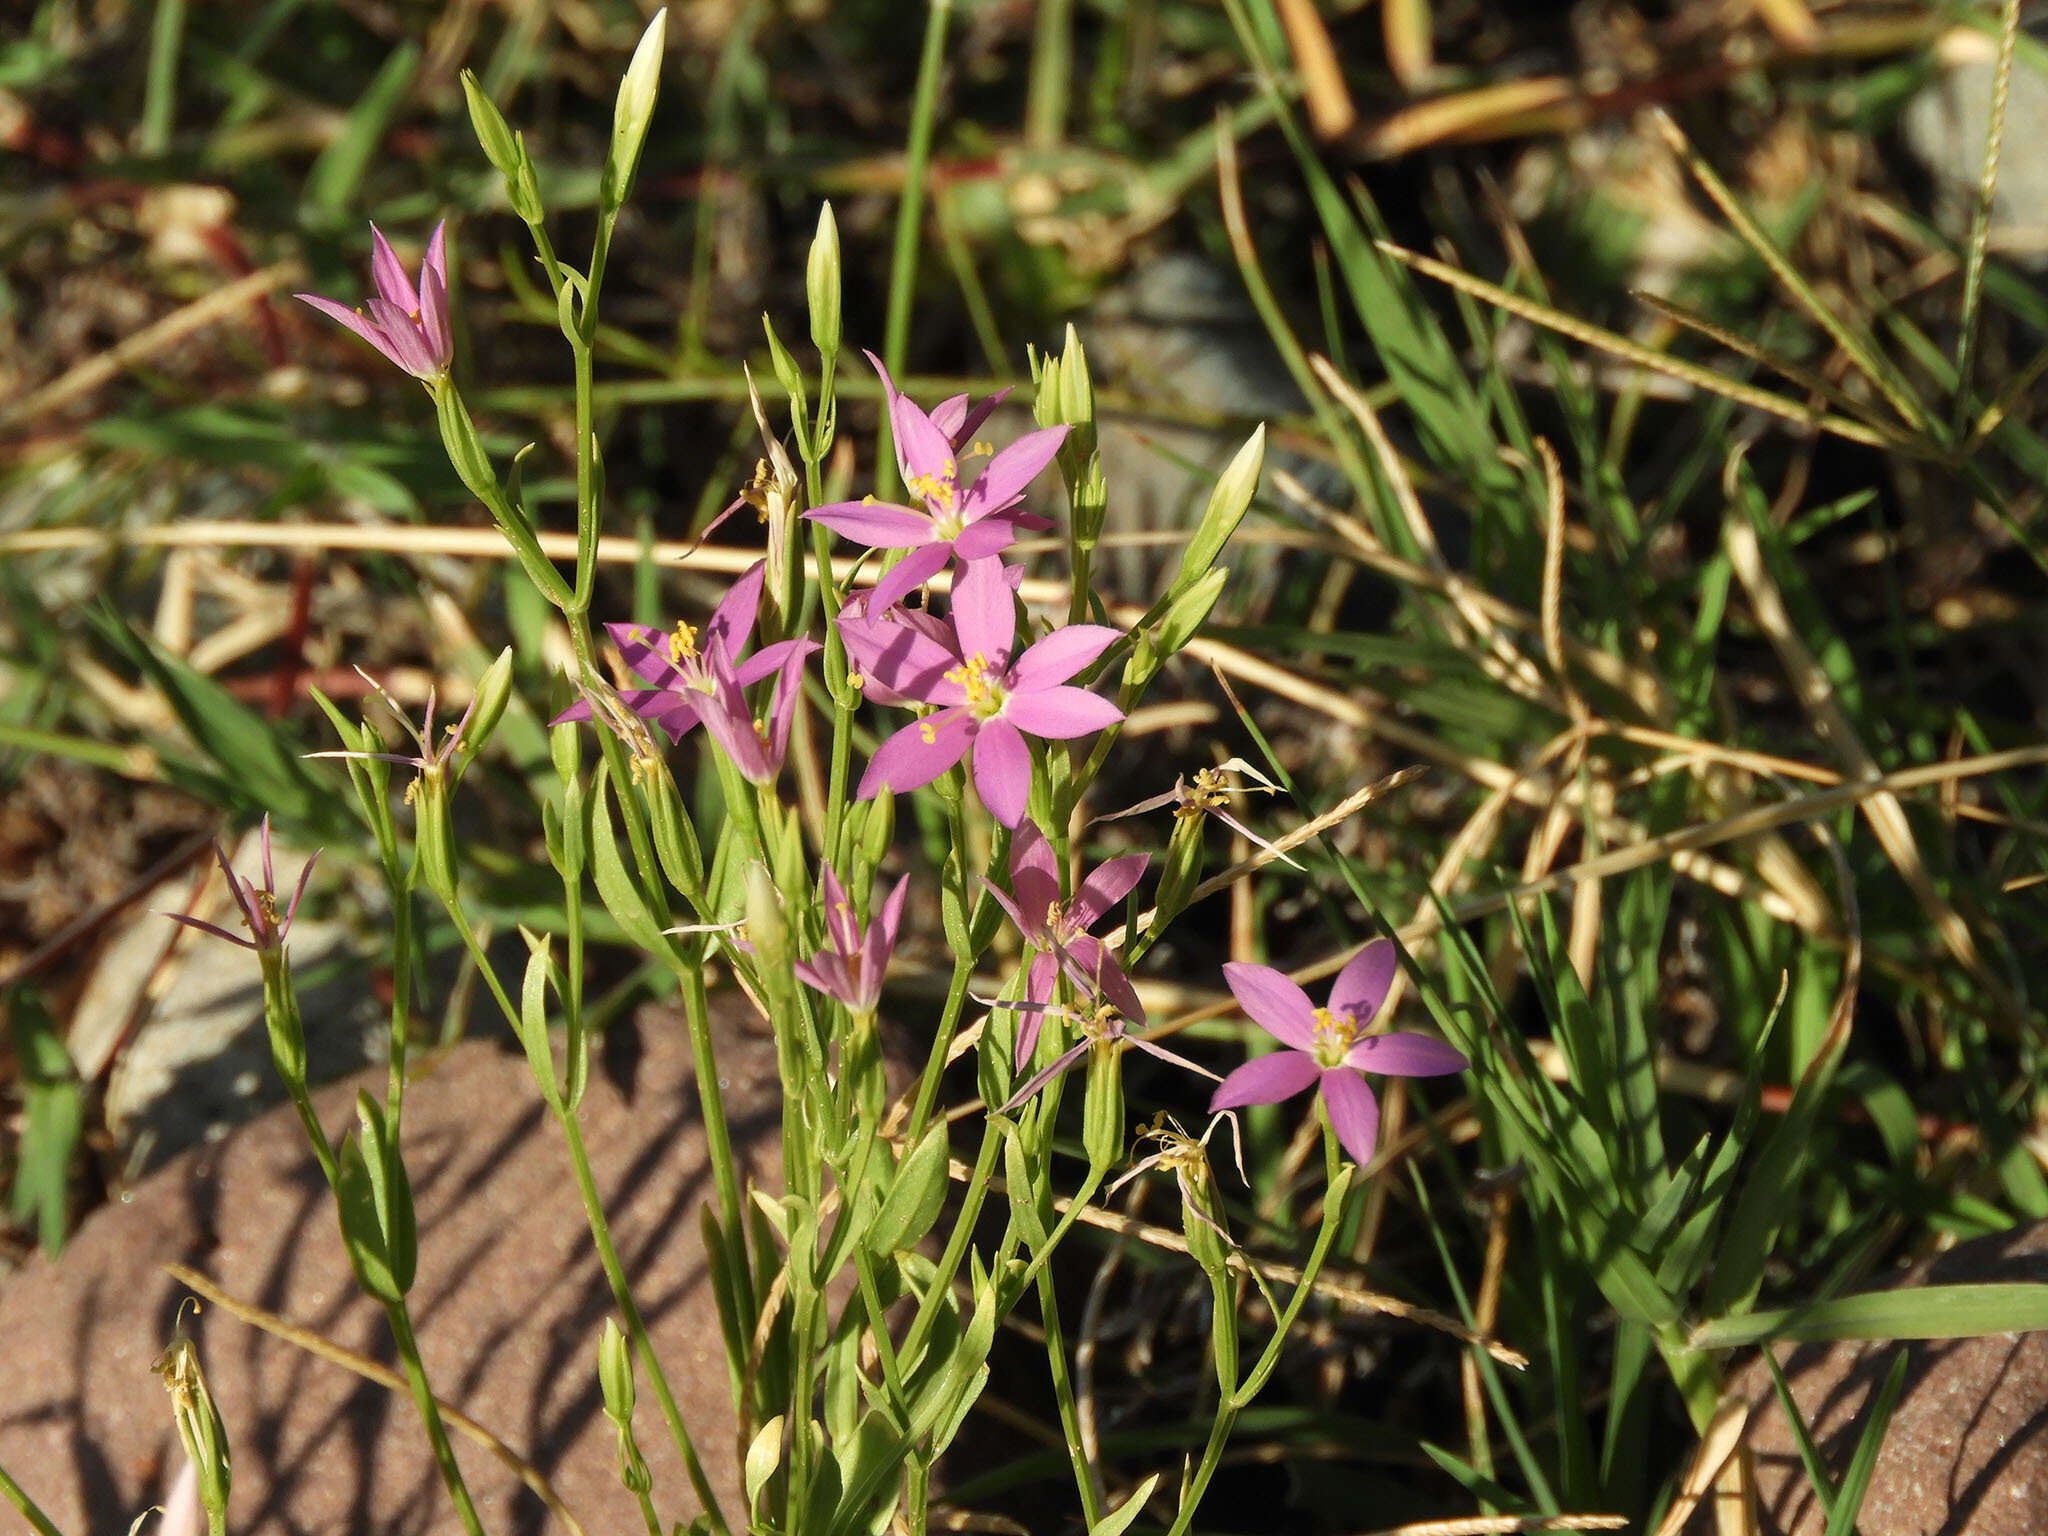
(1274, 1003)
(1034, 873)
(947, 416)
(826, 973)
(985, 613)
(403, 335)
(879, 525)
(881, 935)
(908, 574)
(1354, 1113)
(1058, 714)
(986, 539)
(1362, 985)
(388, 273)
(645, 654)
(1405, 1055)
(1264, 1080)
(788, 691)
(1061, 1063)
(963, 434)
(1013, 910)
(1002, 771)
(1109, 884)
(363, 327)
(912, 758)
(900, 662)
(922, 450)
(1178, 1060)
(434, 329)
(437, 254)
(1040, 979)
(769, 659)
(1003, 481)
(1095, 969)
(732, 621)
(840, 929)
(1061, 654)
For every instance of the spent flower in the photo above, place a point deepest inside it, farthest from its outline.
(1101, 1024)
(1057, 929)
(851, 965)
(1328, 1047)
(407, 322)
(267, 926)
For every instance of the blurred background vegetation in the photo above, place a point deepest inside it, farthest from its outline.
(1783, 343)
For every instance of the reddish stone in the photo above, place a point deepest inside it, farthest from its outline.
(508, 1304)
(1967, 1450)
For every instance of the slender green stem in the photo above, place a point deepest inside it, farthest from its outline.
(160, 87)
(629, 1311)
(12, 1492)
(430, 1414)
(909, 220)
(1063, 1393)
(956, 1245)
(1052, 68)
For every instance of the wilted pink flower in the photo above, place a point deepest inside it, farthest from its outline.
(258, 904)
(1328, 1046)
(986, 701)
(677, 665)
(851, 965)
(754, 744)
(1102, 1024)
(429, 759)
(971, 518)
(408, 325)
(1058, 930)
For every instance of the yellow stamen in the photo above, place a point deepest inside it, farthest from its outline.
(682, 645)
(985, 695)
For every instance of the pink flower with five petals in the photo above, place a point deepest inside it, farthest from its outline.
(1328, 1047)
(987, 701)
(963, 517)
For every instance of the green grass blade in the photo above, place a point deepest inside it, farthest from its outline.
(1910, 1312)
(1802, 1437)
(331, 183)
(1849, 1501)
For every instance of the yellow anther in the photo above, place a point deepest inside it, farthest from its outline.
(927, 732)
(987, 449)
(1335, 1034)
(984, 693)
(855, 681)
(682, 645)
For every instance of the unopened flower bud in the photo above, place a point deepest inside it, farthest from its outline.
(821, 284)
(633, 113)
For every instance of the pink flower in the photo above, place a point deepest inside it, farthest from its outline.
(968, 519)
(987, 702)
(677, 664)
(755, 744)
(851, 965)
(1058, 930)
(258, 904)
(1328, 1046)
(409, 327)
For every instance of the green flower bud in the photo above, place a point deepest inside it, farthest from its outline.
(633, 113)
(1228, 503)
(822, 283)
(493, 692)
(615, 1373)
(767, 929)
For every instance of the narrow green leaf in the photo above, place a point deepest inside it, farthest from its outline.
(1909, 1312)
(1855, 1481)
